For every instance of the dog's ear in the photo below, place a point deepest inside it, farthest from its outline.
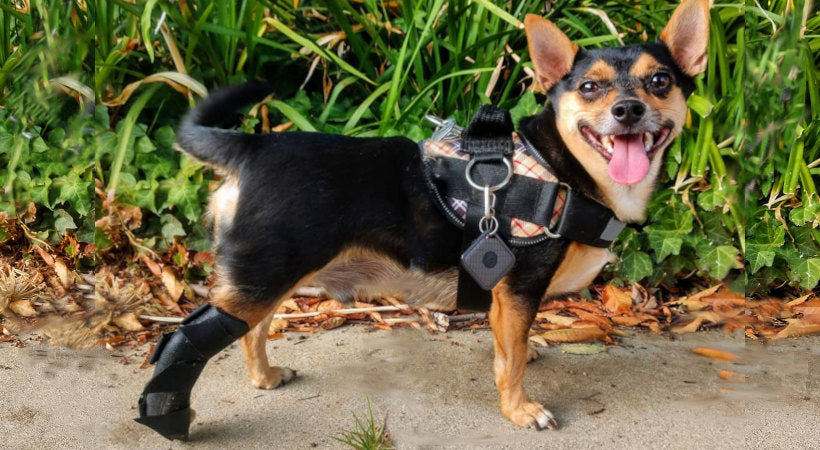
(551, 51)
(687, 35)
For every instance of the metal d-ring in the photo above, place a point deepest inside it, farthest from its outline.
(547, 231)
(491, 188)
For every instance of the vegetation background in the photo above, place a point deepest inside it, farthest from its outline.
(91, 93)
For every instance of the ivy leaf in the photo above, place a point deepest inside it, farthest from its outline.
(171, 227)
(63, 221)
(759, 256)
(664, 242)
(807, 272)
(76, 192)
(636, 265)
(717, 260)
(165, 137)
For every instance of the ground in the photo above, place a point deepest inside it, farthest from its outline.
(436, 391)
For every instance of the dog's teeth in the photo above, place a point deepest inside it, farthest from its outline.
(607, 143)
(648, 140)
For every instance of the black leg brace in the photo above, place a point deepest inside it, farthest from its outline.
(180, 356)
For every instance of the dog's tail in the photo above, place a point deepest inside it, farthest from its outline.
(198, 136)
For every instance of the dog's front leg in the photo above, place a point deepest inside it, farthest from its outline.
(510, 319)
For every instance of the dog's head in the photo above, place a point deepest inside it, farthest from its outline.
(617, 109)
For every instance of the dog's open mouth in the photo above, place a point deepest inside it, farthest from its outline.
(628, 154)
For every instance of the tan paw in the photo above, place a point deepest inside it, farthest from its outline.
(273, 378)
(533, 415)
(532, 353)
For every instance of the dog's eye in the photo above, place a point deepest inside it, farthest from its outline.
(660, 81)
(588, 87)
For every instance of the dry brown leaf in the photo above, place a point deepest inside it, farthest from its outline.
(715, 353)
(798, 328)
(701, 294)
(602, 322)
(63, 273)
(329, 305)
(689, 327)
(23, 308)
(333, 322)
(152, 266)
(538, 339)
(128, 321)
(289, 305)
(172, 284)
(277, 325)
(48, 259)
(800, 300)
(627, 321)
(616, 300)
(556, 319)
(724, 300)
(732, 376)
(274, 336)
(574, 334)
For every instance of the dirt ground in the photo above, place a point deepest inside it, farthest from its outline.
(436, 391)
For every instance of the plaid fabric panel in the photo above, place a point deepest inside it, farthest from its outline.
(523, 164)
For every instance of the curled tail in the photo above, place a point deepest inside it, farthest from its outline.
(198, 137)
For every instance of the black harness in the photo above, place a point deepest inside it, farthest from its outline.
(489, 171)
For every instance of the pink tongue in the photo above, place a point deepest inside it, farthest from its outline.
(629, 163)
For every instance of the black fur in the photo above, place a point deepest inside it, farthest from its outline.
(622, 59)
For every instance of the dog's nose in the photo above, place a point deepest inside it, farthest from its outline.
(628, 112)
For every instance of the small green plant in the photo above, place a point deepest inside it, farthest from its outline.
(366, 435)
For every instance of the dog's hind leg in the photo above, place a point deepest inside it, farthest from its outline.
(510, 320)
(181, 356)
(263, 375)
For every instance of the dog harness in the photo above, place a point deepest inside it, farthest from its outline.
(530, 204)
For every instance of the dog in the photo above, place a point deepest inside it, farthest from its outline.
(351, 214)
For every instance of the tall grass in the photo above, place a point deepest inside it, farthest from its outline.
(742, 177)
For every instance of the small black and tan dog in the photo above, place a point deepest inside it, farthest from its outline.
(351, 214)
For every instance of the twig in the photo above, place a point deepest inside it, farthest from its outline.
(296, 315)
(468, 317)
(162, 319)
(340, 311)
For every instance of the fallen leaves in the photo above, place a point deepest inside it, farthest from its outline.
(715, 354)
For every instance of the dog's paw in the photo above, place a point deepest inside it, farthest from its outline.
(532, 353)
(273, 378)
(533, 415)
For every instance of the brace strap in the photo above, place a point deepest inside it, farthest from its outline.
(180, 356)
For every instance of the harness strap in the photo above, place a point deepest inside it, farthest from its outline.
(582, 220)
(488, 140)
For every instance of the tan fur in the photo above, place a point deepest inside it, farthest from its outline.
(645, 65)
(627, 202)
(551, 51)
(581, 264)
(600, 71)
(258, 318)
(510, 327)
(222, 205)
(687, 35)
(363, 273)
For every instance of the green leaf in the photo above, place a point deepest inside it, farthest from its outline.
(702, 106)
(636, 265)
(171, 227)
(63, 221)
(525, 107)
(717, 260)
(77, 193)
(664, 242)
(759, 256)
(807, 272)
